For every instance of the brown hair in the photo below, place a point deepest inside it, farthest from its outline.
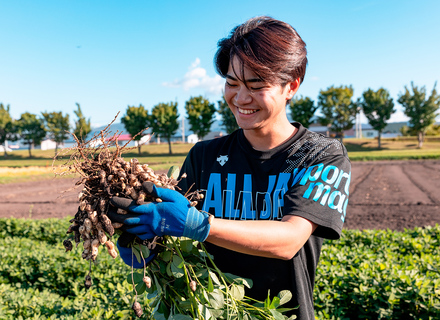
(272, 49)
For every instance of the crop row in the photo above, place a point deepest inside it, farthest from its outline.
(370, 274)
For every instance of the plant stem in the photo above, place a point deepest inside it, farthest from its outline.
(191, 293)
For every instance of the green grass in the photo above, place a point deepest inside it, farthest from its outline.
(156, 156)
(392, 149)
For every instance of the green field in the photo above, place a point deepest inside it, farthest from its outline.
(18, 167)
(367, 274)
(157, 157)
(392, 149)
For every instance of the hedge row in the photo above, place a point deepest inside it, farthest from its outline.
(372, 274)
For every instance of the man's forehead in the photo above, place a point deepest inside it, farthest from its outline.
(238, 71)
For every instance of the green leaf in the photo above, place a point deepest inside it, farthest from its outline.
(275, 303)
(145, 251)
(238, 280)
(173, 172)
(205, 312)
(169, 272)
(277, 315)
(210, 287)
(237, 292)
(214, 278)
(216, 299)
(186, 245)
(158, 286)
(136, 253)
(202, 273)
(216, 313)
(267, 301)
(138, 277)
(177, 272)
(180, 317)
(159, 316)
(140, 288)
(166, 255)
(125, 299)
(176, 267)
(177, 261)
(285, 296)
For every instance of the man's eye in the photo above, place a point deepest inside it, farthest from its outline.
(257, 88)
(230, 84)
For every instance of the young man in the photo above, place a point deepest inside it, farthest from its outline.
(276, 190)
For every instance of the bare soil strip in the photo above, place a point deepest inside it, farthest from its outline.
(383, 194)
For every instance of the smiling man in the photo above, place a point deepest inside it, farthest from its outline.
(276, 189)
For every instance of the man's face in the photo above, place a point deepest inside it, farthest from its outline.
(260, 105)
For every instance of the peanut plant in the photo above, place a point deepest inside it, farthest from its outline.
(183, 280)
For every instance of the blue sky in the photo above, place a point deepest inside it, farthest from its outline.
(106, 55)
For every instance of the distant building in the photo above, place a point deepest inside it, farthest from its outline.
(49, 144)
(393, 129)
(2, 148)
(390, 131)
(192, 138)
(184, 134)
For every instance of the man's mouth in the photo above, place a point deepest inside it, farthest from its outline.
(247, 111)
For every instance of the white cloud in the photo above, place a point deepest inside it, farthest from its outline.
(197, 78)
(398, 116)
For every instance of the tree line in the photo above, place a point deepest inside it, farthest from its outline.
(32, 129)
(336, 104)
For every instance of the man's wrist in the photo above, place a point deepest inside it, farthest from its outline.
(197, 225)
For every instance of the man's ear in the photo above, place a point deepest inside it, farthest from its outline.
(292, 88)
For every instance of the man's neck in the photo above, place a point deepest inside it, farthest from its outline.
(264, 141)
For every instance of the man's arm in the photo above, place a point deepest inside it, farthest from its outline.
(271, 239)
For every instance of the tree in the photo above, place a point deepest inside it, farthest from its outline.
(31, 129)
(433, 130)
(378, 107)
(302, 110)
(135, 122)
(420, 110)
(163, 121)
(8, 130)
(200, 115)
(82, 126)
(339, 112)
(57, 127)
(228, 118)
(407, 131)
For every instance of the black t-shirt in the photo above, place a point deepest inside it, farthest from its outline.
(307, 176)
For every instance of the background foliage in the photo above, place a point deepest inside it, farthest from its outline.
(200, 115)
(370, 274)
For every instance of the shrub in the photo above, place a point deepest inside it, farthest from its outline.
(378, 274)
(369, 274)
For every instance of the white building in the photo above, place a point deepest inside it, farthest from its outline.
(49, 144)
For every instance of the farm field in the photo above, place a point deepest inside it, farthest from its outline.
(377, 270)
(383, 194)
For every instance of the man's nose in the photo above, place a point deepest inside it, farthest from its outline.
(243, 96)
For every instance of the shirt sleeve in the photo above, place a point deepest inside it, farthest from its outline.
(320, 194)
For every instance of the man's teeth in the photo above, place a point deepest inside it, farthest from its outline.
(246, 111)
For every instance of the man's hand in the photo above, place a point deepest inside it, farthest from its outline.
(125, 251)
(174, 216)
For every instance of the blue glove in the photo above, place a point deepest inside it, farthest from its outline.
(126, 252)
(174, 216)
